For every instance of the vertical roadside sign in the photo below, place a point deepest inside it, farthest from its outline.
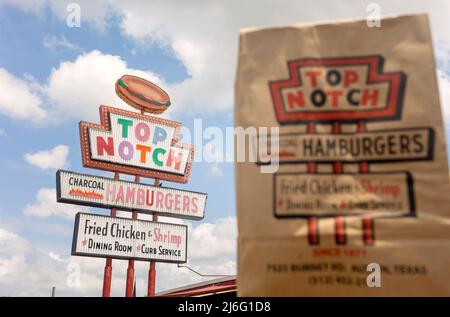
(137, 144)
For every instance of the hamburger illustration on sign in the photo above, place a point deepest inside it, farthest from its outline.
(142, 94)
(133, 143)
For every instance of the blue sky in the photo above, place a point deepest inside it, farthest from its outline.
(25, 53)
(189, 49)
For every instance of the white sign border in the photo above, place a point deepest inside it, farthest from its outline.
(107, 206)
(75, 237)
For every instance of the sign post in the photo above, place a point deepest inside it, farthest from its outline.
(152, 267)
(130, 270)
(107, 276)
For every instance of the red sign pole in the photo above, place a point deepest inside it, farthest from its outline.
(313, 222)
(341, 237)
(152, 269)
(107, 276)
(130, 270)
(368, 223)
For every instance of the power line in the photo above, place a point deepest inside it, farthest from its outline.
(204, 275)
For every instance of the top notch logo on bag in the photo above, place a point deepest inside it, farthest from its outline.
(340, 89)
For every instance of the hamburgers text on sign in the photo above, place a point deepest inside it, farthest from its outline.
(89, 190)
(121, 238)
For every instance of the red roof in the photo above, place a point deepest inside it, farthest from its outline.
(208, 288)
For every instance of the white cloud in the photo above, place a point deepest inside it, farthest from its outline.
(11, 242)
(203, 35)
(97, 14)
(27, 5)
(444, 90)
(58, 43)
(213, 240)
(27, 270)
(17, 100)
(215, 170)
(92, 77)
(46, 206)
(53, 159)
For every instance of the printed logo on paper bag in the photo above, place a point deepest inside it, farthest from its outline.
(343, 89)
(336, 91)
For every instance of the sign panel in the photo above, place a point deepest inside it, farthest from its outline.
(89, 190)
(377, 194)
(397, 145)
(133, 143)
(121, 238)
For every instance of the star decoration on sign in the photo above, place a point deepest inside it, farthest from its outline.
(84, 242)
(280, 203)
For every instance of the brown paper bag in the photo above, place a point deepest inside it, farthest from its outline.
(360, 203)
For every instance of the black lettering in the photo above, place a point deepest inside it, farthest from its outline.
(418, 142)
(318, 98)
(351, 98)
(333, 77)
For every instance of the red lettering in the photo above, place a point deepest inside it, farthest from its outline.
(110, 192)
(120, 194)
(103, 146)
(350, 77)
(159, 200)
(168, 201)
(177, 159)
(369, 96)
(194, 204)
(177, 202)
(149, 199)
(335, 94)
(296, 100)
(129, 196)
(186, 203)
(313, 77)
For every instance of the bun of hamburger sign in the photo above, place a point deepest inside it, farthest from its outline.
(144, 146)
(362, 161)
